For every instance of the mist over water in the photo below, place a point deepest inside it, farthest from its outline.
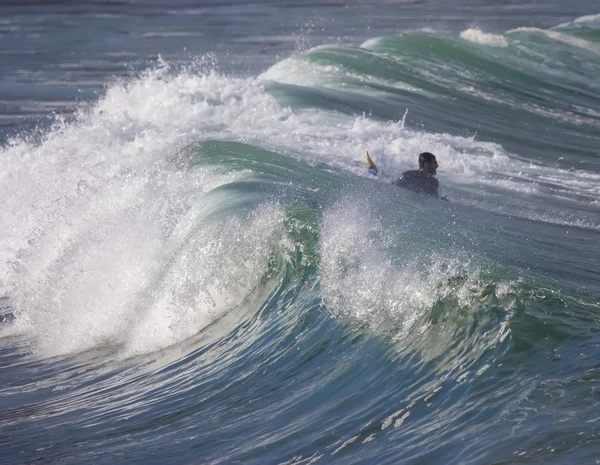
(195, 265)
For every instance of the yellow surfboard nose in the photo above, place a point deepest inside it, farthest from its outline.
(371, 167)
(369, 161)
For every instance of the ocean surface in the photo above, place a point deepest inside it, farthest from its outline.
(196, 268)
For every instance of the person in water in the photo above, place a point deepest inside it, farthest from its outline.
(422, 180)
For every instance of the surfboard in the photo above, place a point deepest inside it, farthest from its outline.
(371, 167)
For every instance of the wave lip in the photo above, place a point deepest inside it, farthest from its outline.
(560, 37)
(586, 20)
(484, 38)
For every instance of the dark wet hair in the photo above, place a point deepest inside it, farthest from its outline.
(425, 157)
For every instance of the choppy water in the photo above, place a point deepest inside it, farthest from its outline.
(196, 268)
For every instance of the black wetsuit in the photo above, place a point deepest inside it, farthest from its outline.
(415, 181)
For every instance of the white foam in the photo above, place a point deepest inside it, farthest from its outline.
(560, 37)
(484, 38)
(89, 209)
(360, 282)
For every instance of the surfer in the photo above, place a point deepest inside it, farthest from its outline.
(422, 180)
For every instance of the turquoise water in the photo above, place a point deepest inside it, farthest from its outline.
(196, 267)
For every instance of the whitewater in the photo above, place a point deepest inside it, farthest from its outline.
(195, 266)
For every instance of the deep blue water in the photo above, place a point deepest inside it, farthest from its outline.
(195, 266)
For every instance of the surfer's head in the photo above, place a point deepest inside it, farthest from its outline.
(427, 163)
